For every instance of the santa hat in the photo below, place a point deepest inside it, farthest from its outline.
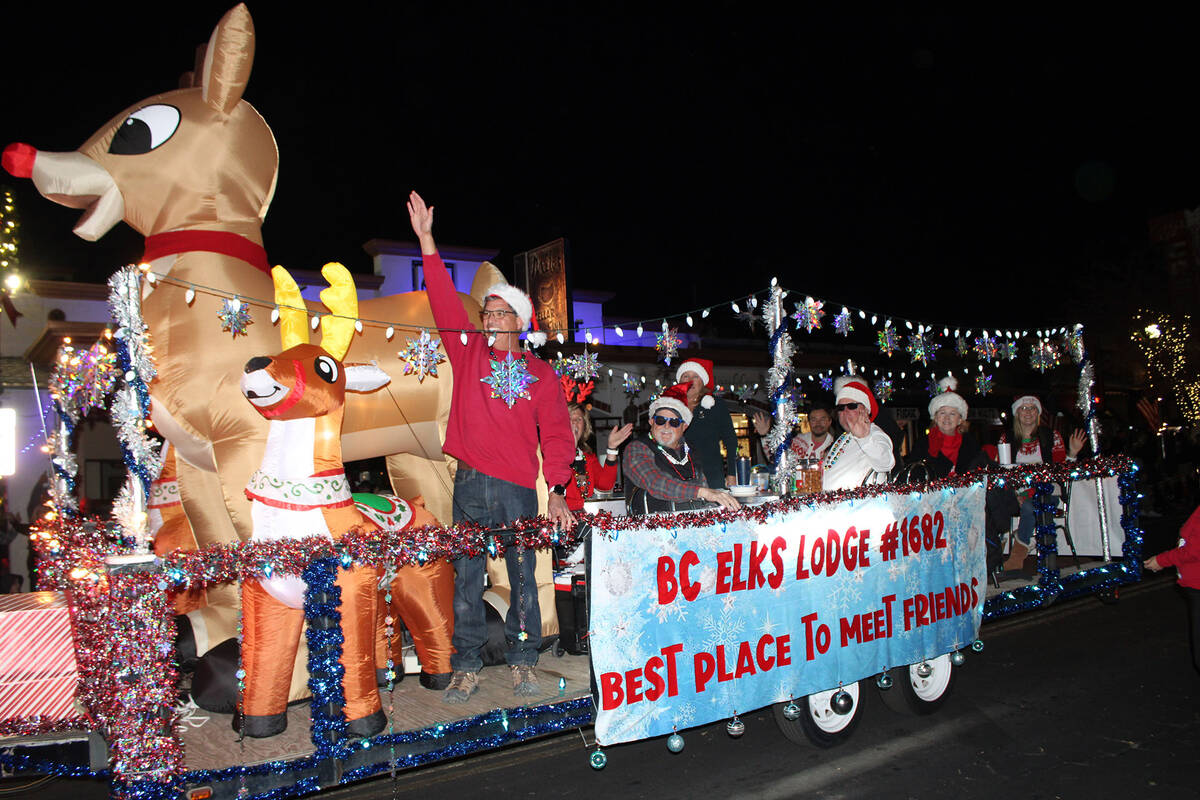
(704, 368)
(853, 389)
(1027, 400)
(519, 302)
(675, 399)
(946, 396)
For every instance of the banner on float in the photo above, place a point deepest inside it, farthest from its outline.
(698, 623)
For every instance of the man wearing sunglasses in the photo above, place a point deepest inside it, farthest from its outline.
(863, 454)
(662, 473)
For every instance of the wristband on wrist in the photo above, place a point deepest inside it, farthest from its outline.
(611, 452)
(560, 489)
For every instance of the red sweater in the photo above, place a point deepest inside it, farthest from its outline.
(601, 477)
(1186, 557)
(484, 432)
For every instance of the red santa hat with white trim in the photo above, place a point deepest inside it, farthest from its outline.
(519, 302)
(1027, 400)
(675, 399)
(704, 368)
(946, 396)
(854, 389)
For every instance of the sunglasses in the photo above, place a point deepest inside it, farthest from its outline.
(848, 406)
(674, 422)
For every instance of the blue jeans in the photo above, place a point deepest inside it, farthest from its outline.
(1028, 523)
(491, 502)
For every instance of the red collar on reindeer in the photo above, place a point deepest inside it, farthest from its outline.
(223, 242)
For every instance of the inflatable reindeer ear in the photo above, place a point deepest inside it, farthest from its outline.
(293, 313)
(228, 59)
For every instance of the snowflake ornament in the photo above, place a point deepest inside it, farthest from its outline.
(983, 385)
(421, 357)
(1044, 356)
(1008, 350)
(667, 345)
(843, 323)
(808, 314)
(827, 383)
(510, 379)
(235, 317)
(586, 366)
(889, 341)
(961, 347)
(632, 385)
(921, 347)
(884, 390)
(1074, 343)
(986, 348)
(934, 387)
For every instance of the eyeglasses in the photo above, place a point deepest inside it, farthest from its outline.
(499, 313)
(847, 406)
(674, 422)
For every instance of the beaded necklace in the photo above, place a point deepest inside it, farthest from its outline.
(676, 462)
(835, 452)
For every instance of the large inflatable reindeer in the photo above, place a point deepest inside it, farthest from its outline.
(194, 171)
(301, 490)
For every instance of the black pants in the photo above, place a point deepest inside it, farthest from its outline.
(1193, 601)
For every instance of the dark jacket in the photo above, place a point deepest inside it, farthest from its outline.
(710, 427)
(970, 457)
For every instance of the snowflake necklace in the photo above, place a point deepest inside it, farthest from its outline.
(510, 379)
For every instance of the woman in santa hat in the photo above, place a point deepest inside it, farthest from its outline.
(711, 424)
(947, 449)
(863, 454)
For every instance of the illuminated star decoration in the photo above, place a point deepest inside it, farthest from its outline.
(808, 314)
(667, 345)
(234, 316)
(632, 385)
(961, 348)
(421, 357)
(1044, 356)
(586, 366)
(1008, 350)
(986, 348)
(889, 342)
(884, 389)
(827, 383)
(983, 385)
(510, 380)
(842, 323)
(921, 347)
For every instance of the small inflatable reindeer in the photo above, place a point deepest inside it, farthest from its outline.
(301, 490)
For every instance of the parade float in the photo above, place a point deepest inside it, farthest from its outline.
(798, 602)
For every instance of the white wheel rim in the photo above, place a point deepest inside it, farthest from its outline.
(820, 709)
(930, 689)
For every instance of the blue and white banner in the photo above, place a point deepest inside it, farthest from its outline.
(698, 623)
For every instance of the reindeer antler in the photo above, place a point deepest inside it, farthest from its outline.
(341, 298)
(293, 316)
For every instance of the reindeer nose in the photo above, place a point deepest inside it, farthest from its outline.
(18, 159)
(257, 363)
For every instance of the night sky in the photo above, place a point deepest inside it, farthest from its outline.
(919, 165)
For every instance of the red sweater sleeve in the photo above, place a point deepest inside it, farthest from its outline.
(448, 311)
(602, 476)
(1189, 551)
(554, 430)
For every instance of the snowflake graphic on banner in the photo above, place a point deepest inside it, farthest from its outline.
(421, 357)
(1044, 356)
(843, 592)
(1008, 350)
(986, 348)
(808, 314)
(884, 389)
(961, 347)
(235, 317)
(889, 340)
(842, 323)
(510, 380)
(724, 629)
(586, 366)
(921, 347)
(667, 345)
(983, 385)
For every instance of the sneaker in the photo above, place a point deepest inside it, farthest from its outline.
(525, 683)
(462, 686)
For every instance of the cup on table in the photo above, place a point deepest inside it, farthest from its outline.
(1004, 451)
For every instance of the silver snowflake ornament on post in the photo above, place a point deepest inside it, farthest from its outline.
(235, 317)
(421, 357)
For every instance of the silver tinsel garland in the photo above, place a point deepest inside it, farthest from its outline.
(779, 382)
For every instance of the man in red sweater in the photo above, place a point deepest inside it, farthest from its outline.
(1186, 559)
(504, 404)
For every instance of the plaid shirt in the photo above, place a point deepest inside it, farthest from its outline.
(639, 467)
